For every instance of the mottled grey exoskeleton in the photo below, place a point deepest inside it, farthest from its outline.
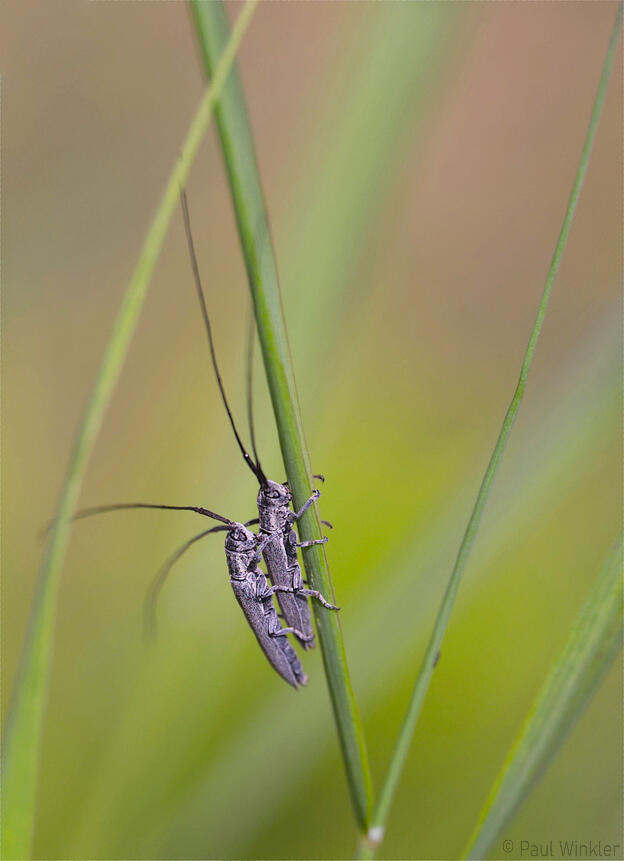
(280, 554)
(255, 597)
(275, 517)
(243, 551)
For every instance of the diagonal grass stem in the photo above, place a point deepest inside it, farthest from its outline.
(594, 642)
(251, 217)
(22, 741)
(372, 840)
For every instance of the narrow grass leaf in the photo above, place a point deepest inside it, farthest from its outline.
(371, 841)
(22, 742)
(595, 640)
(239, 154)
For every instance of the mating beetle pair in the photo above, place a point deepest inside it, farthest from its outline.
(276, 542)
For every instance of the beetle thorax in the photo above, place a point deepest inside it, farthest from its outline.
(273, 506)
(240, 547)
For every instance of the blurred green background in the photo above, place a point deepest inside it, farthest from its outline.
(417, 160)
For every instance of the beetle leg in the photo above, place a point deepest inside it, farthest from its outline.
(295, 515)
(283, 632)
(315, 541)
(314, 593)
(262, 543)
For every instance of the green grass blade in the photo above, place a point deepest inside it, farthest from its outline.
(22, 740)
(375, 834)
(595, 640)
(238, 150)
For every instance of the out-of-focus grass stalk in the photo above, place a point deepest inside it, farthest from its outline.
(24, 725)
(251, 216)
(371, 841)
(594, 641)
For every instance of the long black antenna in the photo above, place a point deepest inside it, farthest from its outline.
(251, 332)
(253, 466)
(103, 509)
(151, 598)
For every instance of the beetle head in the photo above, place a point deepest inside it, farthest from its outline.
(274, 495)
(239, 539)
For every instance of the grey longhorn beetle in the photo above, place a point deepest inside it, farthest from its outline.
(276, 520)
(243, 551)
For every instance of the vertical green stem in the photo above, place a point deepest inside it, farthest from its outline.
(240, 160)
(22, 742)
(370, 842)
